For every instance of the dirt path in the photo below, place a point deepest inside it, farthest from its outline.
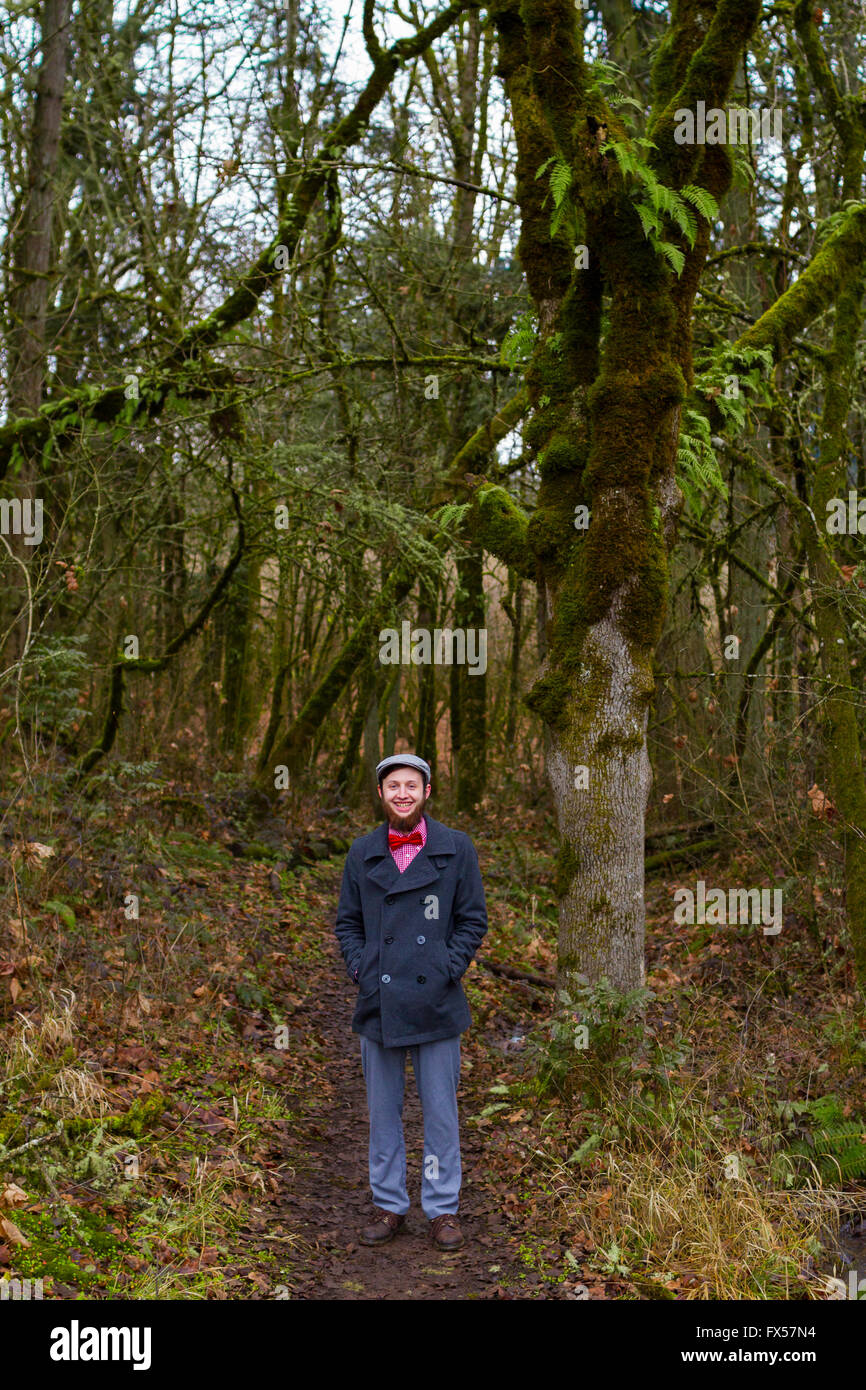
(327, 1200)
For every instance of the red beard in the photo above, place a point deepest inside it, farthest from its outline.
(404, 823)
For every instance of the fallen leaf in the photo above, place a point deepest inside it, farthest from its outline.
(12, 1195)
(32, 852)
(12, 1233)
(821, 804)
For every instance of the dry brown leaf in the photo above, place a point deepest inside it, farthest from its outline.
(821, 804)
(32, 852)
(16, 930)
(12, 1195)
(12, 1233)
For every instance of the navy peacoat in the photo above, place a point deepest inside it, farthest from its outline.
(411, 936)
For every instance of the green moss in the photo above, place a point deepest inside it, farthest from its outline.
(475, 453)
(674, 52)
(549, 698)
(710, 59)
(584, 962)
(546, 263)
(48, 1255)
(581, 324)
(550, 532)
(501, 525)
(645, 604)
(536, 431)
(138, 1117)
(567, 866)
(560, 456)
(837, 261)
(9, 1125)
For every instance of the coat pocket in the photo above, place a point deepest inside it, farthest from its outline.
(368, 968)
(442, 961)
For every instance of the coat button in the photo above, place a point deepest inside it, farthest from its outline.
(421, 940)
(422, 979)
(388, 940)
(386, 979)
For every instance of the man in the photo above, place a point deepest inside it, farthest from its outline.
(411, 917)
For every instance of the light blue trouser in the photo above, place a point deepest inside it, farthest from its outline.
(437, 1072)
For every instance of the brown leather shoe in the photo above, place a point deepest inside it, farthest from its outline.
(383, 1228)
(446, 1232)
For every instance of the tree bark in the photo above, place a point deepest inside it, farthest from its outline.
(30, 281)
(611, 449)
(31, 275)
(471, 686)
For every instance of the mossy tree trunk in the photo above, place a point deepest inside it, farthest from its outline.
(390, 710)
(513, 605)
(425, 738)
(32, 268)
(471, 685)
(606, 393)
(236, 619)
(605, 428)
(33, 273)
(840, 699)
(349, 761)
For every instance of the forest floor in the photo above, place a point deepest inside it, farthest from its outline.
(196, 1090)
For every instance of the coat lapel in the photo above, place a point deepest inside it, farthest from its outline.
(381, 868)
(425, 867)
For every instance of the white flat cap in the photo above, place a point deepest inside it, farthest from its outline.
(403, 760)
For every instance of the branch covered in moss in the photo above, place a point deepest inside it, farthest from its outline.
(547, 261)
(298, 739)
(814, 291)
(554, 47)
(822, 74)
(501, 525)
(150, 665)
(477, 450)
(296, 742)
(708, 77)
(63, 419)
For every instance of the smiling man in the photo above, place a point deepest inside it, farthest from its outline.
(411, 917)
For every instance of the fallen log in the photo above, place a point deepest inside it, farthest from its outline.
(687, 851)
(510, 972)
(692, 830)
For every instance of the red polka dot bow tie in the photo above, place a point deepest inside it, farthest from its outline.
(396, 841)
